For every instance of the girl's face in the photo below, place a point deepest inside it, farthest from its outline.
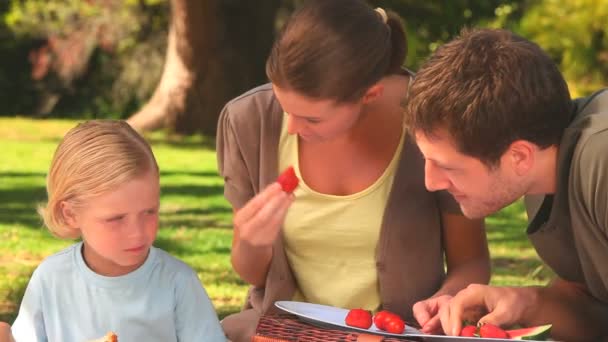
(315, 120)
(118, 227)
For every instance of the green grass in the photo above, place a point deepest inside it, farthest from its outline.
(195, 218)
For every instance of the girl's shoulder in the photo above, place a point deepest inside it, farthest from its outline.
(170, 267)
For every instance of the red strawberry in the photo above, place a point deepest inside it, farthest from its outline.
(468, 331)
(380, 318)
(359, 318)
(394, 325)
(288, 180)
(492, 331)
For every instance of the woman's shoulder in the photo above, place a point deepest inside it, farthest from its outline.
(259, 100)
(249, 114)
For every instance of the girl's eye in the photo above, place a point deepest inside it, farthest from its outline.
(313, 121)
(115, 219)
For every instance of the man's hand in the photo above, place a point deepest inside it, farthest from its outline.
(427, 311)
(501, 306)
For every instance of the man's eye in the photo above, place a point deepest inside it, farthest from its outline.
(151, 211)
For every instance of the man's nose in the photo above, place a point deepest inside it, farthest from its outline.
(434, 177)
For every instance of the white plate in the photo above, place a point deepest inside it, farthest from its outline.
(329, 316)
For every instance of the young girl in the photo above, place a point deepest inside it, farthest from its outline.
(103, 186)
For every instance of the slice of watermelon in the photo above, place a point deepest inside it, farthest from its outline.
(539, 333)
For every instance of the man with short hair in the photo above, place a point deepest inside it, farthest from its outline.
(493, 117)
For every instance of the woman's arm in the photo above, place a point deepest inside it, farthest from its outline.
(466, 252)
(256, 227)
(468, 261)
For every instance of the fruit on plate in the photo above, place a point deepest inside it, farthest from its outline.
(469, 331)
(359, 318)
(395, 325)
(492, 331)
(389, 322)
(288, 180)
(539, 333)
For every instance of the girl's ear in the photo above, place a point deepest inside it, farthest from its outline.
(69, 214)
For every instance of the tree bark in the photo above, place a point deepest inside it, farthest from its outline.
(216, 50)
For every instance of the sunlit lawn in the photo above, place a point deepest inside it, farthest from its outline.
(195, 218)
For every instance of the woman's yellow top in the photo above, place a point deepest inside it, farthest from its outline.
(330, 241)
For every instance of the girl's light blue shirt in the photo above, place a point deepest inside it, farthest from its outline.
(163, 300)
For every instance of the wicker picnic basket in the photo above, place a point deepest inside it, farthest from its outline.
(288, 328)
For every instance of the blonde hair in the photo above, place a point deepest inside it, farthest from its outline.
(94, 157)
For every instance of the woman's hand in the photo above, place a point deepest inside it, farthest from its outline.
(427, 311)
(258, 223)
(256, 227)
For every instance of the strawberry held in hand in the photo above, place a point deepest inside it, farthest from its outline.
(288, 180)
(359, 318)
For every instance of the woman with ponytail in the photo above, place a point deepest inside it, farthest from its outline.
(360, 230)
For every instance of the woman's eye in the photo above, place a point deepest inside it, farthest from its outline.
(313, 121)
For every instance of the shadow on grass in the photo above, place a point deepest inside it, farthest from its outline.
(189, 173)
(201, 191)
(194, 142)
(18, 205)
(199, 218)
(11, 298)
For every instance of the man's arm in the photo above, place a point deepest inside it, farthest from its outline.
(574, 313)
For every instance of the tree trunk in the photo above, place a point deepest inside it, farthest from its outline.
(216, 50)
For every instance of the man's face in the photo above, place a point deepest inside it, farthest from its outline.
(478, 189)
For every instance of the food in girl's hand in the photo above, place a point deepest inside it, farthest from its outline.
(359, 318)
(288, 180)
(539, 333)
(110, 337)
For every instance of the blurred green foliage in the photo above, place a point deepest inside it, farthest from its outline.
(122, 45)
(575, 33)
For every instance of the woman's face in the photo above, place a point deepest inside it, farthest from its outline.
(315, 120)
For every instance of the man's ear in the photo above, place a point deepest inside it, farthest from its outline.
(522, 155)
(373, 93)
(69, 214)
